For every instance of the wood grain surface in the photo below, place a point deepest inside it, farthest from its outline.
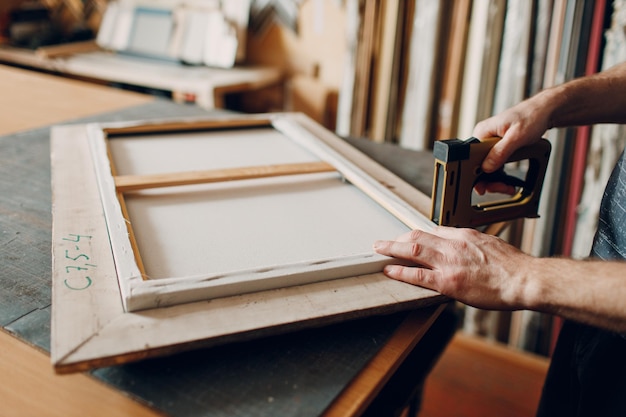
(30, 100)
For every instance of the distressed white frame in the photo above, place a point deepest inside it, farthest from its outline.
(91, 326)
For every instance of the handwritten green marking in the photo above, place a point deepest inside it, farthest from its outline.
(87, 284)
(76, 237)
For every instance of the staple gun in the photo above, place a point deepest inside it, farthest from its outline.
(458, 170)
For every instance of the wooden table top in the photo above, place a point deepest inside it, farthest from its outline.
(28, 101)
(31, 100)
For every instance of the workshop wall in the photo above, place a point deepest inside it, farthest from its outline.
(311, 54)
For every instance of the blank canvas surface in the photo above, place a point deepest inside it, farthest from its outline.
(221, 149)
(218, 228)
(222, 228)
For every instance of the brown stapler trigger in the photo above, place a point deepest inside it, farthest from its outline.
(458, 170)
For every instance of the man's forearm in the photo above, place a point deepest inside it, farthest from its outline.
(592, 292)
(584, 101)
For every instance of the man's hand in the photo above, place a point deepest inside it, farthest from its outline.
(469, 266)
(518, 126)
(498, 182)
(494, 187)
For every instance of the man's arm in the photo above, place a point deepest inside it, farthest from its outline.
(600, 98)
(485, 272)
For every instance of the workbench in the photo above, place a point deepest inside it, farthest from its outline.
(201, 85)
(362, 367)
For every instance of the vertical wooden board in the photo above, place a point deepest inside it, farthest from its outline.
(423, 79)
(83, 269)
(346, 100)
(448, 111)
(385, 71)
(512, 79)
(481, 63)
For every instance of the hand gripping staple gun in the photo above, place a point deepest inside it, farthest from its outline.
(458, 170)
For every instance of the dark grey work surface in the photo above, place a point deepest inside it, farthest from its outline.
(297, 374)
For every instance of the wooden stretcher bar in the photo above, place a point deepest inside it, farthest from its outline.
(125, 183)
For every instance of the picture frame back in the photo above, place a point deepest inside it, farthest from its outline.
(90, 312)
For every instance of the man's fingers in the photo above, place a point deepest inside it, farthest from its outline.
(486, 129)
(434, 238)
(494, 187)
(497, 156)
(413, 236)
(499, 187)
(480, 188)
(421, 277)
(411, 251)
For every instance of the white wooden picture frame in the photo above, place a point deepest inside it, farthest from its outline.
(130, 264)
